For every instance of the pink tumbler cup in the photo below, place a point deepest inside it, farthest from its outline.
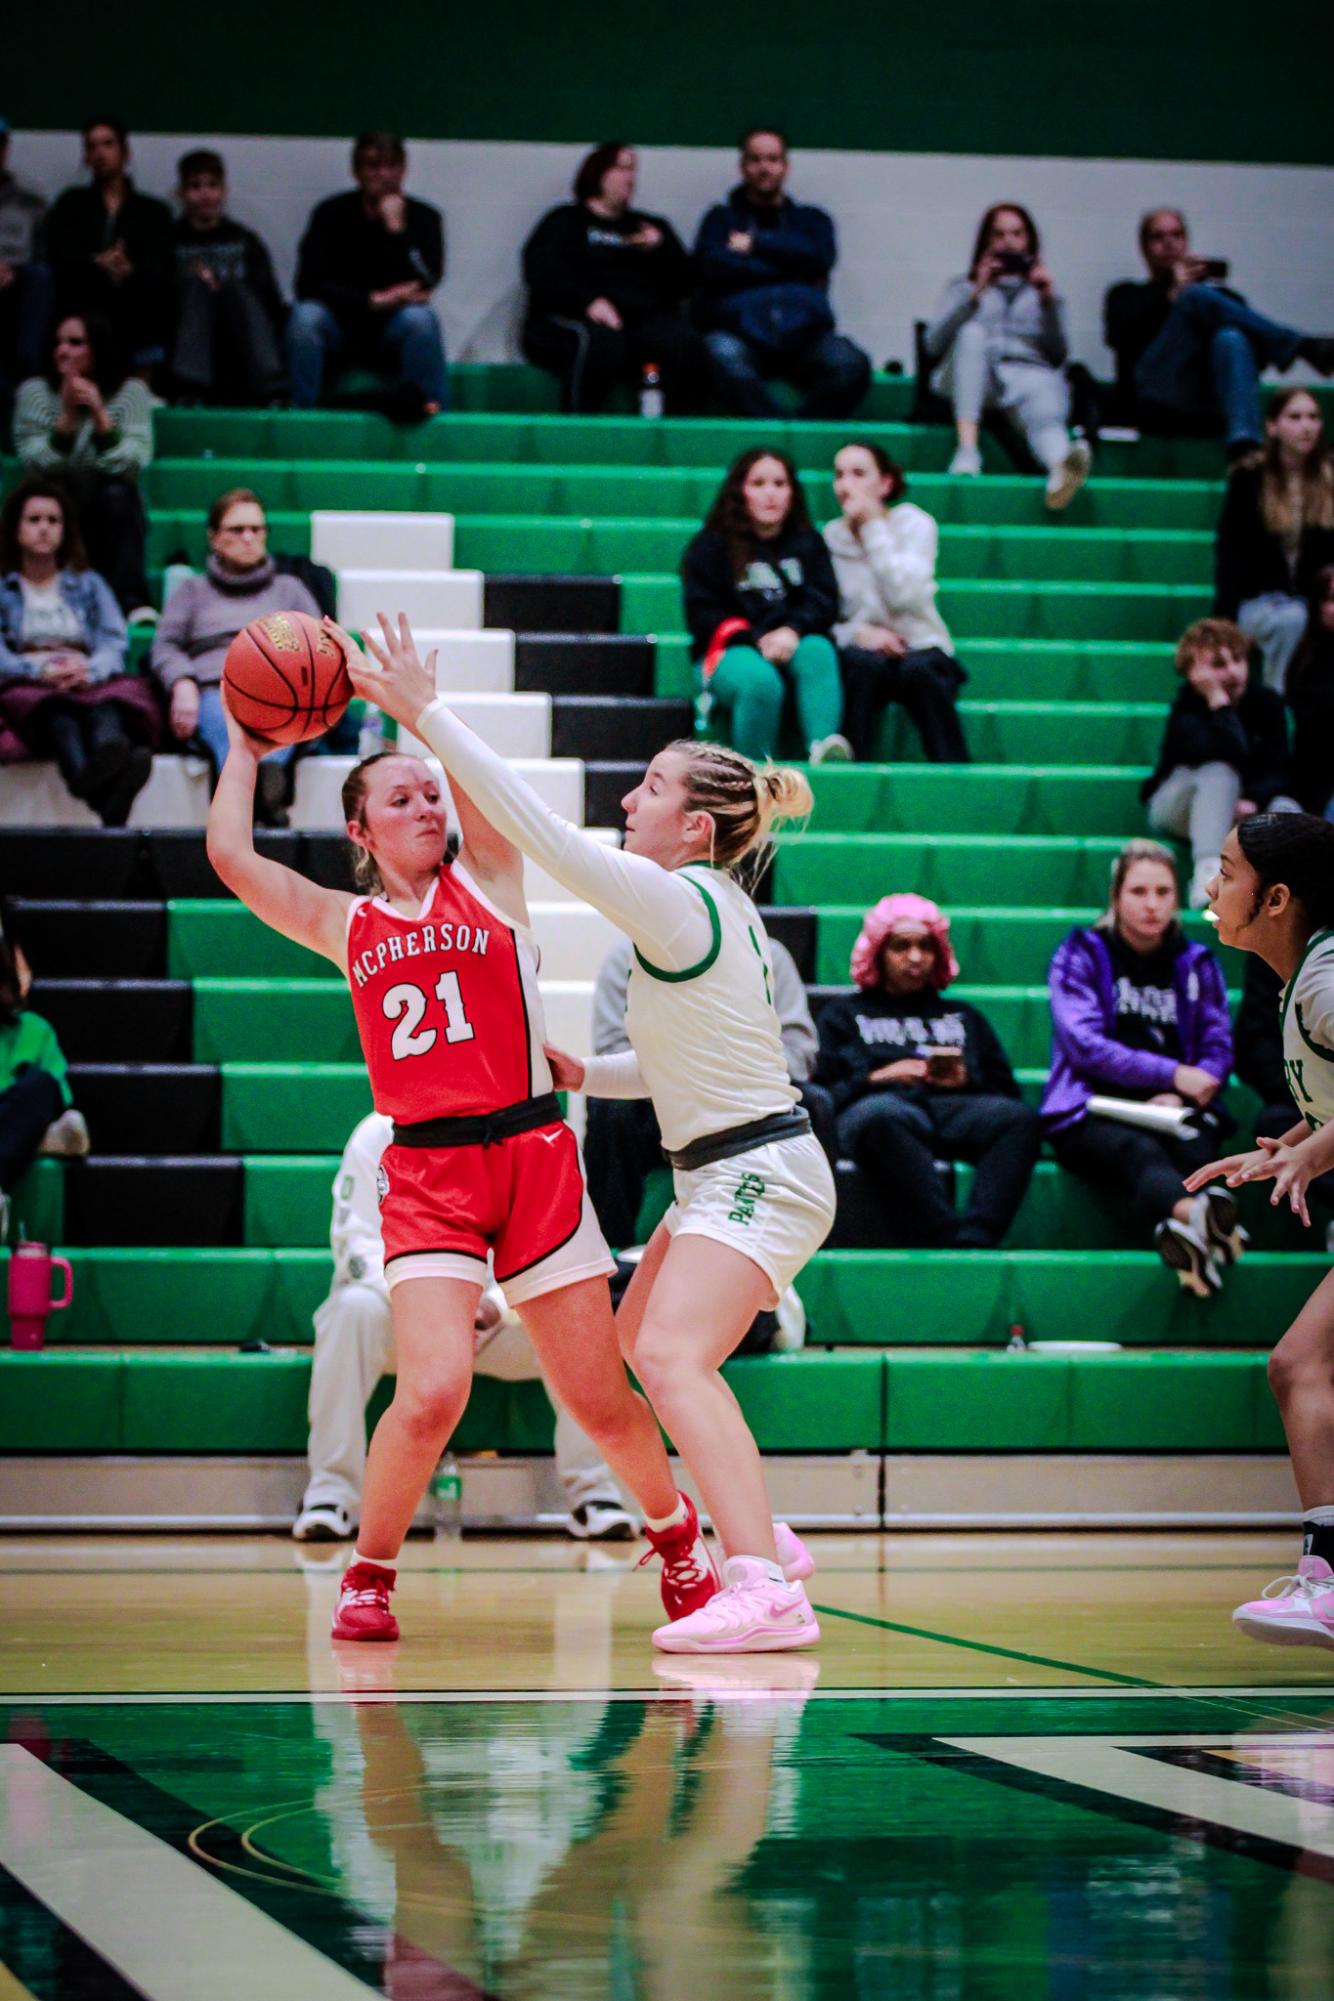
(30, 1301)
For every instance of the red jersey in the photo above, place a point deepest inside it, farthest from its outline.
(446, 1003)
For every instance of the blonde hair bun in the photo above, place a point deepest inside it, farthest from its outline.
(788, 792)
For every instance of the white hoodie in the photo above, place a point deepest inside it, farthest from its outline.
(887, 576)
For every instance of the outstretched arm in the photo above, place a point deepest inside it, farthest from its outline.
(665, 916)
(280, 897)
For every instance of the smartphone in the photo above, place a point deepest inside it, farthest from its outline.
(943, 1063)
(1014, 263)
(1215, 267)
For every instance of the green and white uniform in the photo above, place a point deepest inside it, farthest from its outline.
(1307, 1015)
(706, 1045)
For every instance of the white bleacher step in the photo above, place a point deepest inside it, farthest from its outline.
(35, 795)
(567, 1006)
(318, 805)
(429, 597)
(480, 662)
(572, 940)
(394, 541)
(514, 725)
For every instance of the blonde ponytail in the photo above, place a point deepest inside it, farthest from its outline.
(742, 799)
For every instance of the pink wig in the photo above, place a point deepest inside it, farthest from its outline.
(888, 914)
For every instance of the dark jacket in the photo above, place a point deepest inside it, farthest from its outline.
(79, 227)
(1134, 313)
(777, 295)
(1086, 1056)
(1249, 560)
(1311, 700)
(234, 254)
(864, 1031)
(574, 256)
(790, 581)
(1251, 735)
(346, 254)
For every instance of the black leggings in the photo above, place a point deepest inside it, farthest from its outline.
(30, 1104)
(1150, 1168)
(588, 360)
(925, 683)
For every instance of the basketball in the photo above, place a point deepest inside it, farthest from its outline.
(285, 678)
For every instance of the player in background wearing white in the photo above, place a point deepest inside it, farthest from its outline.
(754, 1191)
(1274, 895)
(354, 1347)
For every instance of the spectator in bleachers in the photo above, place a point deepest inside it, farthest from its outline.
(999, 342)
(36, 1106)
(1224, 752)
(606, 285)
(27, 293)
(763, 263)
(1311, 702)
(367, 266)
(354, 1346)
(110, 248)
(760, 604)
(227, 333)
(1276, 530)
(90, 425)
(1139, 1013)
(202, 617)
(917, 1079)
(64, 689)
(622, 1143)
(1189, 350)
(893, 644)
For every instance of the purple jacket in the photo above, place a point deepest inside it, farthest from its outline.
(1085, 1057)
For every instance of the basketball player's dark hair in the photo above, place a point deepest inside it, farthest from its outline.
(70, 555)
(1296, 849)
(235, 496)
(365, 871)
(11, 987)
(887, 467)
(595, 166)
(730, 516)
(741, 798)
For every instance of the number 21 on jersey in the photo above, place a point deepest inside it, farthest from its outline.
(406, 1004)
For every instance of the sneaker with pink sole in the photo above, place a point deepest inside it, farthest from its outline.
(1293, 1611)
(752, 1614)
(797, 1561)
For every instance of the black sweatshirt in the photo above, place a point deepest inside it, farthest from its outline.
(866, 1030)
(234, 254)
(574, 256)
(1311, 699)
(1251, 735)
(1249, 560)
(789, 581)
(1134, 313)
(346, 254)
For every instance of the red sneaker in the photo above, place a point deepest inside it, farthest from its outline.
(689, 1574)
(363, 1604)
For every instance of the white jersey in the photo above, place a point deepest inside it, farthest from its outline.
(708, 1038)
(1307, 1016)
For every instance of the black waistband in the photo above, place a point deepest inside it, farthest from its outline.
(484, 1128)
(740, 1139)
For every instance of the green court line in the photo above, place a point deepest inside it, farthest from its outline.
(983, 1647)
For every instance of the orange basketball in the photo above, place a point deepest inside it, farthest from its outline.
(285, 677)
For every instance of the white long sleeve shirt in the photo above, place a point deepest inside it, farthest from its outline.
(887, 576)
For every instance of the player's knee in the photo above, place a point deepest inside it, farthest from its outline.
(429, 1410)
(659, 1364)
(1295, 1366)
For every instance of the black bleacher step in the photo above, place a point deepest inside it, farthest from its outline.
(862, 1223)
(176, 861)
(150, 1107)
(818, 998)
(66, 940)
(551, 604)
(164, 1199)
(60, 864)
(794, 927)
(621, 726)
(583, 663)
(119, 1021)
(96, 862)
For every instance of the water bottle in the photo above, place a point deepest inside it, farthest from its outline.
(446, 1499)
(650, 391)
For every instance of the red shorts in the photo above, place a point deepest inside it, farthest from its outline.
(522, 1199)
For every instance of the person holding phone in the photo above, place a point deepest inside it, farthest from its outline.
(917, 1079)
(999, 342)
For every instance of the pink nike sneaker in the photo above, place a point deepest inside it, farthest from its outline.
(797, 1561)
(363, 1604)
(750, 1615)
(1293, 1611)
(689, 1574)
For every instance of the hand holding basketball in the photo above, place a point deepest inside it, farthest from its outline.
(398, 683)
(285, 678)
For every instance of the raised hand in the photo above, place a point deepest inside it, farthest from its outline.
(398, 683)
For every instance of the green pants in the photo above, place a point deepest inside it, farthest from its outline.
(750, 691)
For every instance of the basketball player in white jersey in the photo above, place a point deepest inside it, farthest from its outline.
(1274, 895)
(754, 1192)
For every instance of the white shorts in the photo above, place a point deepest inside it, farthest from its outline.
(774, 1204)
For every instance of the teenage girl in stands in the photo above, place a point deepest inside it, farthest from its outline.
(443, 973)
(1276, 530)
(754, 1193)
(1274, 895)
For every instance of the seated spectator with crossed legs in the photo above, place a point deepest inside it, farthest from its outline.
(917, 1079)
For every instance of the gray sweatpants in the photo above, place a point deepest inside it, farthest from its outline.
(1033, 395)
(1199, 803)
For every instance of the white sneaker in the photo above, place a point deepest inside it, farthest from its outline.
(1201, 876)
(1216, 1217)
(966, 463)
(797, 1561)
(1065, 480)
(324, 1521)
(750, 1615)
(790, 1333)
(600, 1519)
(834, 749)
(1186, 1250)
(67, 1136)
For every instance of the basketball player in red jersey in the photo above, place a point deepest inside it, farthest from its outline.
(442, 968)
